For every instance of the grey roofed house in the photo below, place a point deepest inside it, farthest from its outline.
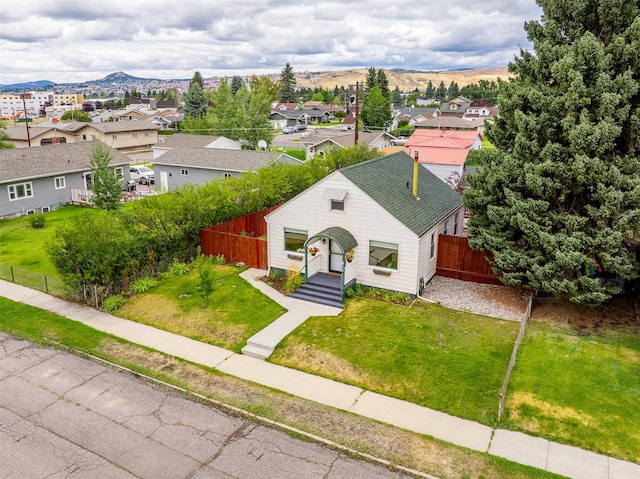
(195, 141)
(188, 165)
(38, 178)
(448, 123)
(374, 139)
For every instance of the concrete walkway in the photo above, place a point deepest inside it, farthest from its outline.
(557, 458)
(262, 344)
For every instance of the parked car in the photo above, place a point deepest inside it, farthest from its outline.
(142, 174)
(301, 127)
(400, 141)
(289, 129)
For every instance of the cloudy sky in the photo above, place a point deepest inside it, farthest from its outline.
(78, 40)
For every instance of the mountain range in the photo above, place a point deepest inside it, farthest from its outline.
(406, 80)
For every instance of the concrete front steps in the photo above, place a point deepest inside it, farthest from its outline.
(321, 288)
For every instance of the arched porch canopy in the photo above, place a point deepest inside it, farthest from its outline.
(338, 235)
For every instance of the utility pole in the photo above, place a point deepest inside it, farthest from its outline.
(26, 118)
(355, 135)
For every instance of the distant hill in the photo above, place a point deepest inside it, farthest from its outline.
(406, 80)
(118, 77)
(33, 85)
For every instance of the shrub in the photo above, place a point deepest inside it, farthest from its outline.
(206, 283)
(219, 260)
(143, 285)
(37, 220)
(112, 303)
(177, 268)
(293, 282)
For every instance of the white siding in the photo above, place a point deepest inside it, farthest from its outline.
(362, 217)
(426, 264)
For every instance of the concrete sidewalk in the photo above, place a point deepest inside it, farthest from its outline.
(537, 452)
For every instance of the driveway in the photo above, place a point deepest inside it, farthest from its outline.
(62, 416)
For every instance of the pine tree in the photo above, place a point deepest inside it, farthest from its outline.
(453, 90)
(236, 84)
(396, 96)
(287, 81)
(441, 92)
(383, 84)
(376, 110)
(370, 80)
(195, 103)
(430, 92)
(561, 194)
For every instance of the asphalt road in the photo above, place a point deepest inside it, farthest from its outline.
(62, 416)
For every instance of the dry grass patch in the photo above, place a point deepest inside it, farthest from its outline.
(551, 411)
(197, 324)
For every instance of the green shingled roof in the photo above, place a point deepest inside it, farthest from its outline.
(388, 181)
(339, 235)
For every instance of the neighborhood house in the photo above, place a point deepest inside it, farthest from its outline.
(36, 179)
(364, 224)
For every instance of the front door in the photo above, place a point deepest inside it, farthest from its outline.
(164, 181)
(335, 257)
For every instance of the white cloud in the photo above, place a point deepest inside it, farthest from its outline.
(83, 40)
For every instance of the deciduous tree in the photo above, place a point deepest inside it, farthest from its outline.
(560, 195)
(105, 184)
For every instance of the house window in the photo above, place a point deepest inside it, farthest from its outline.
(227, 175)
(119, 172)
(433, 245)
(93, 137)
(45, 209)
(114, 136)
(60, 183)
(184, 172)
(455, 225)
(146, 133)
(135, 134)
(383, 255)
(19, 191)
(294, 239)
(84, 137)
(445, 229)
(337, 205)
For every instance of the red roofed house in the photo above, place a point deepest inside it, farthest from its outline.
(443, 152)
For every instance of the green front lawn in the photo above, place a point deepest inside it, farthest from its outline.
(581, 390)
(429, 355)
(25, 247)
(235, 311)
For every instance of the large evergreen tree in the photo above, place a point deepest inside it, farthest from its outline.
(195, 103)
(287, 81)
(561, 194)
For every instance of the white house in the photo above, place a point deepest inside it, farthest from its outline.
(363, 224)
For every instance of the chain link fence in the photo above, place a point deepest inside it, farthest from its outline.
(41, 282)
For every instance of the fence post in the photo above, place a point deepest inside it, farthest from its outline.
(46, 285)
(13, 278)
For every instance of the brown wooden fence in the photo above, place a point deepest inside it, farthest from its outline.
(457, 260)
(242, 239)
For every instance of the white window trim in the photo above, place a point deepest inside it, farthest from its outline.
(384, 268)
(184, 172)
(28, 189)
(119, 172)
(60, 185)
(292, 230)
